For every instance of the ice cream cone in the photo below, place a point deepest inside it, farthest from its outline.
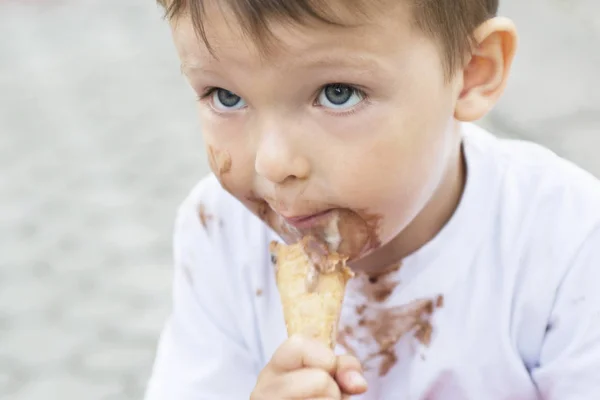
(311, 294)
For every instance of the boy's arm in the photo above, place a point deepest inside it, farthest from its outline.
(201, 354)
(570, 356)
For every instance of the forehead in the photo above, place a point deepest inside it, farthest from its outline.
(288, 42)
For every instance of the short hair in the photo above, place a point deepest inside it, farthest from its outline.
(450, 22)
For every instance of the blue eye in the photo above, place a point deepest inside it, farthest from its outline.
(225, 100)
(339, 96)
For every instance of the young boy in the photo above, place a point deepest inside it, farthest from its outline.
(476, 258)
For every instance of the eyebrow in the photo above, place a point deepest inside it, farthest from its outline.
(350, 61)
(310, 62)
(191, 66)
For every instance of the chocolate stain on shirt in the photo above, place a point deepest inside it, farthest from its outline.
(423, 333)
(381, 329)
(204, 216)
(550, 326)
(389, 325)
(187, 273)
(439, 303)
(259, 292)
(379, 287)
(342, 339)
(382, 285)
(389, 359)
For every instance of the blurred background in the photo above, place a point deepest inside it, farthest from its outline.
(99, 143)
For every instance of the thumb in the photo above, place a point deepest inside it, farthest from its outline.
(349, 375)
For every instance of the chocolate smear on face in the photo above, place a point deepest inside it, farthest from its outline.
(263, 211)
(359, 233)
(219, 160)
(220, 163)
(373, 225)
(346, 232)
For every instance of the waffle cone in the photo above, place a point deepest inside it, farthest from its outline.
(309, 309)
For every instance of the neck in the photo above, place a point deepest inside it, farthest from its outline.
(426, 225)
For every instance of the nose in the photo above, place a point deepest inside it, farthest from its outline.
(279, 158)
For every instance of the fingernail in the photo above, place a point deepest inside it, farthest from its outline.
(356, 379)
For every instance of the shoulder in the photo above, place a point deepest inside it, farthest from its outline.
(207, 194)
(212, 224)
(545, 208)
(545, 240)
(541, 195)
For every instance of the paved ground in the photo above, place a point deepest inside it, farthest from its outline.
(99, 143)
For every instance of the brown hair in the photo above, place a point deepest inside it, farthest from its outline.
(450, 22)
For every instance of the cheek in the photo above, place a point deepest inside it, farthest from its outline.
(231, 168)
(396, 177)
(418, 179)
(229, 155)
(219, 160)
(221, 163)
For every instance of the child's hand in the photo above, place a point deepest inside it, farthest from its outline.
(349, 376)
(302, 368)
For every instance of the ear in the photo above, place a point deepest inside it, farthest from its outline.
(486, 72)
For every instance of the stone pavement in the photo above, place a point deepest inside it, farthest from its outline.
(99, 143)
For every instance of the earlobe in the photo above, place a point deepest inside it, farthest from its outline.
(486, 72)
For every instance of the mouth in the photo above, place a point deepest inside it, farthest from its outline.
(307, 221)
(345, 231)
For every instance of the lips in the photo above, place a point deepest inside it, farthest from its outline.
(340, 228)
(307, 221)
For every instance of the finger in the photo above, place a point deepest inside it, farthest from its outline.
(309, 383)
(301, 352)
(349, 375)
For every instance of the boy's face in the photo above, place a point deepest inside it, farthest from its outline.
(334, 125)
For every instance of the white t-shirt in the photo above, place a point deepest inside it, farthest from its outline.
(518, 266)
